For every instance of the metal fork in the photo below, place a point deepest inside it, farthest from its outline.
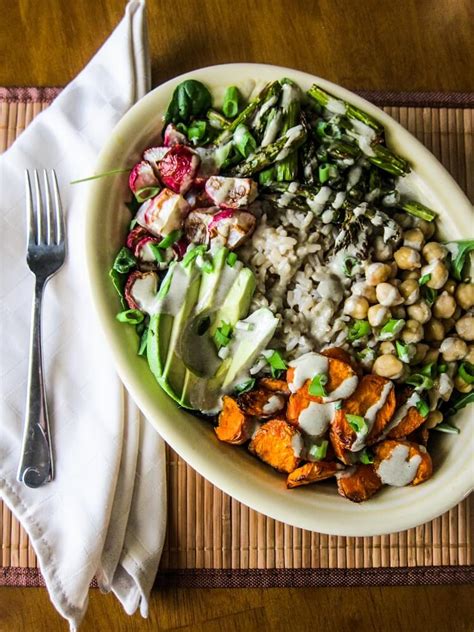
(45, 255)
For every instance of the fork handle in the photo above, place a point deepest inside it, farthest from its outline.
(36, 464)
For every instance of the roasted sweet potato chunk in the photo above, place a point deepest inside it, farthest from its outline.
(395, 463)
(410, 422)
(337, 353)
(235, 426)
(359, 483)
(278, 444)
(296, 404)
(274, 385)
(261, 403)
(338, 372)
(312, 473)
(370, 390)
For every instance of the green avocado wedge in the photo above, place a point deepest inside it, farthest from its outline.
(237, 302)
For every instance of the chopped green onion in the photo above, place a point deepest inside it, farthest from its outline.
(349, 264)
(157, 252)
(112, 172)
(124, 261)
(403, 351)
(170, 239)
(366, 456)
(366, 355)
(442, 368)
(448, 428)
(118, 281)
(391, 329)
(429, 370)
(193, 253)
(222, 335)
(244, 141)
(133, 223)
(359, 329)
(207, 266)
(323, 173)
(420, 382)
(231, 259)
(267, 176)
(459, 402)
(357, 423)
(422, 407)
(197, 131)
(230, 107)
(166, 283)
(318, 452)
(424, 279)
(429, 294)
(143, 342)
(460, 250)
(142, 195)
(130, 316)
(466, 372)
(245, 386)
(316, 387)
(276, 363)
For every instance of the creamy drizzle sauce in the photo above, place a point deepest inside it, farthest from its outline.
(306, 367)
(226, 280)
(317, 203)
(290, 135)
(335, 106)
(397, 470)
(144, 292)
(264, 109)
(370, 417)
(401, 413)
(315, 419)
(274, 404)
(297, 444)
(173, 301)
(344, 390)
(271, 130)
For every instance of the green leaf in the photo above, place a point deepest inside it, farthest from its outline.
(459, 251)
(118, 281)
(124, 261)
(197, 131)
(318, 451)
(349, 264)
(316, 387)
(245, 386)
(357, 423)
(190, 98)
(424, 279)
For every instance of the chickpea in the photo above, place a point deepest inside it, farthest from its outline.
(433, 419)
(448, 323)
(410, 274)
(387, 348)
(356, 306)
(399, 312)
(433, 251)
(407, 258)
(378, 315)
(453, 349)
(388, 295)
(367, 291)
(410, 290)
(377, 273)
(420, 352)
(412, 332)
(388, 366)
(470, 354)
(393, 270)
(437, 274)
(404, 220)
(465, 327)
(382, 250)
(434, 330)
(419, 311)
(427, 228)
(460, 385)
(444, 306)
(432, 355)
(413, 238)
(465, 295)
(449, 286)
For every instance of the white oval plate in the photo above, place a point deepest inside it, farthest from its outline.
(235, 471)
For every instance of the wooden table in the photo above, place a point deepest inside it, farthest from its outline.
(375, 44)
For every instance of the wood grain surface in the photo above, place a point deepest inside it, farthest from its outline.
(375, 44)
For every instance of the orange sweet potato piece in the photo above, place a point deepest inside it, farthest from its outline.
(359, 484)
(297, 403)
(254, 403)
(274, 385)
(367, 393)
(234, 426)
(311, 473)
(410, 422)
(341, 452)
(384, 449)
(341, 354)
(273, 444)
(338, 372)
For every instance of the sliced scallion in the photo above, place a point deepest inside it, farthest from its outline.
(124, 261)
(193, 253)
(391, 329)
(170, 239)
(230, 107)
(448, 428)
(144, 194)
(358, 329)
(422, 407)
(366, 456)
(403, 351)
(157, 252)
(245, 386)
(197, 131)
(318, 452)
(357, 423)
(276, 363)
(466, 372)
(130, 316)
(316, 387)
(323, 173)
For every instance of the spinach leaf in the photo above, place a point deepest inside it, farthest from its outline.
(190, 98)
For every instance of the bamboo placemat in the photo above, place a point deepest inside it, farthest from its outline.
(213, 540)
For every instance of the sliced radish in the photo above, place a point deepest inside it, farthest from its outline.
(231, 192)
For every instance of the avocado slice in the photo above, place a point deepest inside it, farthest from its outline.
(248, 344)
(237, 302)
(166, 326)
(210, 281)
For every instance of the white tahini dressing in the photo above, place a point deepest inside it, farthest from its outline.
(401, 413)
(265, 107)
(344, 390)
(306, 367)
(271, 130)
(317, 203)
(290, 135)
(315, 419)
(297, 444)
(274, 404)
(397, 470)
(173, 301)
(144, 292)
(335, 106)
(370, 417)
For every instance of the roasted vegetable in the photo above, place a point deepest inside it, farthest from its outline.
(235, 426)
(261, 403)
(358, 483)
(402, 463)
(178, 168)
(278, 444)
(312, 473)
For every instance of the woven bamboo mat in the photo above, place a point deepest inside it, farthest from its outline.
(215, 541)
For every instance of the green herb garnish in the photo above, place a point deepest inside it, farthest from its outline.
(169, 240)
(197, 131)
(230, 106)
(276, 363)
(366, 456)
(466, 372)
(245, 386)
(193, 253)
(422, 407)
(348, 266)
(448, 428)
(357, 423)
(130, 316)
(190, 98)
(424, 279)
(460, 250)
(358, 329)
(124, 261)
(318, 452)
(391, 329)
(403, 351)
(157, 252)
(316, 387)
(222, 335)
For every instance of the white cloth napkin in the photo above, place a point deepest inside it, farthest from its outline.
(105, 512)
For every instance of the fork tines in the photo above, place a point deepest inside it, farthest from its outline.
(44, 212)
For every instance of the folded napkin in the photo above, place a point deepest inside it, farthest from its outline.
(105, 512)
